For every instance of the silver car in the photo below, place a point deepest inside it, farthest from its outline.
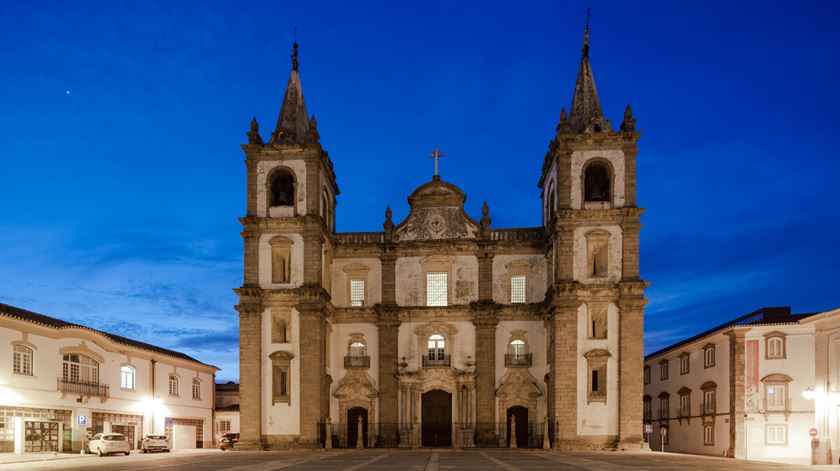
(106, 443)
(154, 443)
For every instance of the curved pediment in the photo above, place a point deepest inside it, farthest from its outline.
(437, 212)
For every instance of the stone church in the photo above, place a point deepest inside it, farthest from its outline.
(442, 330)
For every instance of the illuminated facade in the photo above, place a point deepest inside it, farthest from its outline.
(60, 383)
(753, 388)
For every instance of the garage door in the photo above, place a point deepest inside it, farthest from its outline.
(183, 437)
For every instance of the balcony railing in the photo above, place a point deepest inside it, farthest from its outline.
(85, 388)
(357, 361)
(708, 409)
(437, 361)
(517, 359)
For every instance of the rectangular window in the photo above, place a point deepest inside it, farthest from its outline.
(196, 390)
(776, 397)
(127, 377)
(594, 381)
(517, 289)
(663, 408)
(284, 386)
(684, 364)
(357, 293)
(709, 357)
(647, 375)
(437, 289)
(685, 405)
(22, 360)
(709, 402)
(663, 370)
(173, 386)
(647, 410)
(776, 434)
(224, 426)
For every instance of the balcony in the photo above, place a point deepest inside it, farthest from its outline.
(357, 362)
(82, 388)
(707, 408)
(517, 359)
(438, 361)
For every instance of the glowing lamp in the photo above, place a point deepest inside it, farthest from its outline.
(809, 393)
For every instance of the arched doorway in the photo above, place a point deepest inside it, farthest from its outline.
(353, 426)
(521, 415)
(436, 418)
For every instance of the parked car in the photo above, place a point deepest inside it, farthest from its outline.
(107, 443)
(228, 440)
(154, 443)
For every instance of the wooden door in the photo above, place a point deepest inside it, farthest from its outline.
(353, 426)
(521, 415)
(436, 417)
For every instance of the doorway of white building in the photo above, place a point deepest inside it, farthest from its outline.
(184, 434)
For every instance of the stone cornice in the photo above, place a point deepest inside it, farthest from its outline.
(466, 313)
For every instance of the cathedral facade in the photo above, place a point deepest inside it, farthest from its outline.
(442, 330)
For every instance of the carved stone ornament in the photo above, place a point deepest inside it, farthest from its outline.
(437, 212)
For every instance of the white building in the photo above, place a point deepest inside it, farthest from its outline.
(60, 383)
(227, 409)
(749, 388)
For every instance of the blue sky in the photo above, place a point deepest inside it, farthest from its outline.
(120, 125)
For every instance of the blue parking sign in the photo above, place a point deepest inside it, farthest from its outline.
(82, 419)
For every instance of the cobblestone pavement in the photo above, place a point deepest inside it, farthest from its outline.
(381, 460)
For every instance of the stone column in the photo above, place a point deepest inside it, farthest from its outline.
(485, 274)
(564, 370)
(630, 367)
(737, 385)
(485, 322)
(388, 329)
(630, 249)
(312, 367)
(250, 369)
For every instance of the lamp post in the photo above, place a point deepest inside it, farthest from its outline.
(820, 452)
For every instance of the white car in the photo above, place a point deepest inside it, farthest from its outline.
(154, 443)
(107, 443)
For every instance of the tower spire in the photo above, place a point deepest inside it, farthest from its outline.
(293, 122)
(585, 114)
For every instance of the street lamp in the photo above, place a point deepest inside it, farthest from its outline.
(809, 394)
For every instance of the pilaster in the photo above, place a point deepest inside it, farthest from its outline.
(388, 329)
(737, 367)
(312, 366)
(250, 368)
(485, 273)
(485, 321)
(564, 365)
(631, 307)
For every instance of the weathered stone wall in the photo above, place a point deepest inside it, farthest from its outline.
(580, 251)
(598, 418)
(535, 287)
(296, 262)
(340, 281)
(463, 282)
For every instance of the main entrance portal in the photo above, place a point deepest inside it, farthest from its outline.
(353, 416)
(521, 415)
(436, 417)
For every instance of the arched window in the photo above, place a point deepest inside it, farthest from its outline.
(196, 389)
(22, 360)
(80, 369)
(517, 348)
(596, 182)
(357, 348)
(282, 188)
(127, 376)
(437, 348)
(173, 385)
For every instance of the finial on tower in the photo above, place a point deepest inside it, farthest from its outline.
(255, 126)
(586, 35)
(294, 56)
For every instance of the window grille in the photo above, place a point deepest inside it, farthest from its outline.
(437, 289)
(517, 289)
(357, 293)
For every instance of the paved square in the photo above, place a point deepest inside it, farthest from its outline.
(381, 460)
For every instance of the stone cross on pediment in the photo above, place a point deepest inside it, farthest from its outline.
(436, 155)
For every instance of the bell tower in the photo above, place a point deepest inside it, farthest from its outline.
(284, 299)
(595, 295)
